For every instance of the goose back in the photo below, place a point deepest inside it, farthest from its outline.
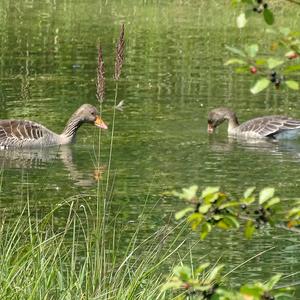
(279, 127)
(22, 133)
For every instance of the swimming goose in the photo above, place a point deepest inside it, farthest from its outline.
(27, 134)
(275, 127)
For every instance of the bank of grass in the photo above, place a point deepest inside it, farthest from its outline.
(83, 258)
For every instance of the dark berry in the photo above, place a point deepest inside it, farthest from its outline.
(265, 6)
(273, 73)
(256, 211)
(243, 206)
(255, 9)
(259, 1)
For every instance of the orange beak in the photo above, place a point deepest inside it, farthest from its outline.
(100, 123)
(210, 128)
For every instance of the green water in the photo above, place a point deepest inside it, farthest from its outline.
(173, 75)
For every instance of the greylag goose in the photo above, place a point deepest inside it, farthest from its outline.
(275, 127)
(27, 134)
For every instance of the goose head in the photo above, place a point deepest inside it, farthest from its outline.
(87, 113)
(218, 115)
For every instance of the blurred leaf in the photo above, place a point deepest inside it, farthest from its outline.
(210, 190)
(272, 202)
(265, 194)
(242, 70)
(291, 69)
(252, 290)
(195, 220)
(248, 200)
(260, 85)
(249, 229)
(180, 214)
(251, 50)
(236, 51)
(204, 208)
(274, 62)
(241, 20)
(231, 221)
(268, 16)
(260, 62)
(172, 284)
(201, 268)
(183, 272)
(205, 230)
(229, 204)
(187, 193)
(235, 61)
(272, 282)
(285, 30)
(249, 191)
(215, 272)
(294, 85)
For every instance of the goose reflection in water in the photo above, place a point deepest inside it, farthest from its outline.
(228, 144)
(42, 158)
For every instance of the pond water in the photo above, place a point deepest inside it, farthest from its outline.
(173, 75)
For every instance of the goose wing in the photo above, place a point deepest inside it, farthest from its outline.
(18, 132)
(270, 126)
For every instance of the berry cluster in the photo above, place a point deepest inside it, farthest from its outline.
(261, 6)
(261, 217)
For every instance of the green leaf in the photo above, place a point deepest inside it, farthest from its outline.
(235, 61)
(229, 204)
(272, 202)
(215, 272)
(183, 272)
(210, 190)
(231, 221)
(205, 230)
(236, 51)
(195, 220)
(203, 209)
(249, 191)
(294, 85)
(201, 268)
(260, 62)
(249, 229)
(252, 290)
(291, 69)
(285, 30)
(272, 282)
(274, 62)
(260, 85)
(268, 16)
(251, 50)
(180, 214)
(241, 20)
(187, 193)
(248, 200)
(265, 194)
(242, 70)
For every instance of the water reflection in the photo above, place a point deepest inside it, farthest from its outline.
(42, 158)
(272, 147)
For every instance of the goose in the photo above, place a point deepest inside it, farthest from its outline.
(29, 134)
(274, 127)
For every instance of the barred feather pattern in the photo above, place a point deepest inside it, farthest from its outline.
(100, 84)
(120, 51)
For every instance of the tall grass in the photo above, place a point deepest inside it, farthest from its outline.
(41, 260)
